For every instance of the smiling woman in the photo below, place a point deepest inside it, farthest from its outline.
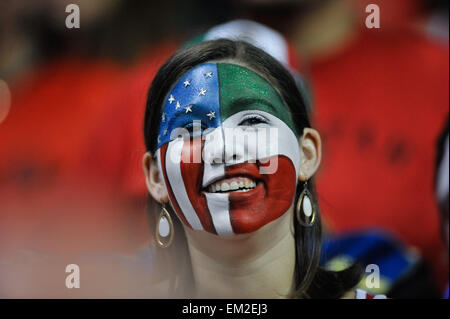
(231, 153)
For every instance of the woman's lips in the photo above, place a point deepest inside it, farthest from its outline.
(232, 184)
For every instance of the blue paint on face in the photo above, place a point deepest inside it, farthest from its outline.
(194, 97)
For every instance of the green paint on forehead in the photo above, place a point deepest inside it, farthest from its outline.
(242, 89)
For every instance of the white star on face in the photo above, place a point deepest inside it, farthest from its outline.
(208, 74)
(202, 92)
(211, 115)
(171, 99)
(163, 117)
(165, 132)
(188, 108)
(178, 105)
(186, 83)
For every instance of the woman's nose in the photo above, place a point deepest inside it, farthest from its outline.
(235, 149)
(222, 146)
(213, 149)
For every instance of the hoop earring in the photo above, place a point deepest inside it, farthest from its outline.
(305, 210)
(164, 229)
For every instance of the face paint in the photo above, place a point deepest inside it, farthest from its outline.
(246, 127)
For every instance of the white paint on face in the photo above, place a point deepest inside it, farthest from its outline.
(219, 207)
(212, 155)
(223, 147)
(173, 171)
(258, 147)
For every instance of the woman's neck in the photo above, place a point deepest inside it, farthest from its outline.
(258, 265)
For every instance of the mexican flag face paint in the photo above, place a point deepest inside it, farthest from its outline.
(228, 150)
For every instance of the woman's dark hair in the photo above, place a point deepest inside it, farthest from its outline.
(311, 281)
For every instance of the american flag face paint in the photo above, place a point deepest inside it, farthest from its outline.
(228, 150)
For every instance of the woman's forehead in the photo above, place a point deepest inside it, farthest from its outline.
(212, 92)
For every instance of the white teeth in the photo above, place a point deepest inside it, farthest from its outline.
(242, 185)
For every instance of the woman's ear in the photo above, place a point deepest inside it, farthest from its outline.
(311, 153)
(153, 179)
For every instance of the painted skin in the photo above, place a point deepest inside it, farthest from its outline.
(230, 189)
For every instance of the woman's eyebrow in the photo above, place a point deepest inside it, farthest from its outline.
(180, 114)
(246, 101)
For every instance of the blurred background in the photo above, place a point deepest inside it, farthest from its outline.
(71, 144)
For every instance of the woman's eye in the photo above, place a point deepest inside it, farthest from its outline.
(254, 120)
(190, 128)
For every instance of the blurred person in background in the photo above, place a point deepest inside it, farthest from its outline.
(58, 85)
(380, 96)
(61, 81)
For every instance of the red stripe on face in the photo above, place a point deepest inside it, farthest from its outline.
(271, 198)
(163, 152)
(192, 174)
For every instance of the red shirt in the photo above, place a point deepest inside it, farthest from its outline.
(43, 192)
(380, 104)
(119, 137)
(52, 114)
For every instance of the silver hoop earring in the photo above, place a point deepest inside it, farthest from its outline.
(305, 210)
(164, 229)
